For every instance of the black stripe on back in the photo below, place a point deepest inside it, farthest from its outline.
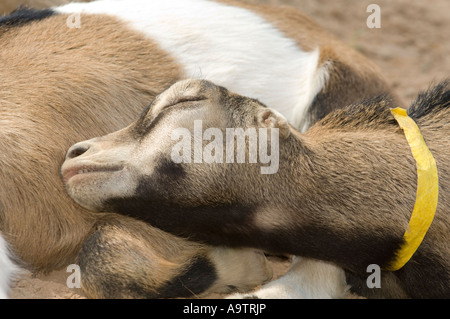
(23, 16)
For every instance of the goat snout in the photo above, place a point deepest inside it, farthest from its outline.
(77, 150)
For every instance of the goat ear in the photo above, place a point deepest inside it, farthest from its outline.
(269, 118)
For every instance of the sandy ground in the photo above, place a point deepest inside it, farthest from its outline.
(412, 47)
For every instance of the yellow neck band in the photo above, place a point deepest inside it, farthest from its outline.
(427, 190)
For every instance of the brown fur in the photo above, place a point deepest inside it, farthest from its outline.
(8, 6)
(57, 85)
(36, 92)
(48, 102)
(162, 265)
(344, 191)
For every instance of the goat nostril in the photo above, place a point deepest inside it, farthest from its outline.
(76, 151)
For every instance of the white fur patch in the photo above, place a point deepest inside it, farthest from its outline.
(230, 46)
(306, 279)
(7, 268)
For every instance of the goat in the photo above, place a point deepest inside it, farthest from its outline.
(343, 193)
(62, 84)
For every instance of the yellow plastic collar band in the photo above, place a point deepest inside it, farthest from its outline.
(427, 190)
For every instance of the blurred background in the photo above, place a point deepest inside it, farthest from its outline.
(412, 48)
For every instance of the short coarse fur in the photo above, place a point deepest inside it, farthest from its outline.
(374, 113)
(344, 191)
(436, 99)
(60, 85)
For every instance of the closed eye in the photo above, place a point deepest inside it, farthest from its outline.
(184, 99)
(151, 107)
(150, 117)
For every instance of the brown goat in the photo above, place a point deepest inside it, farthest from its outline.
(61, 84)
(343, 192)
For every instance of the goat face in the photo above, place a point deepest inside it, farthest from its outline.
(143, 167)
